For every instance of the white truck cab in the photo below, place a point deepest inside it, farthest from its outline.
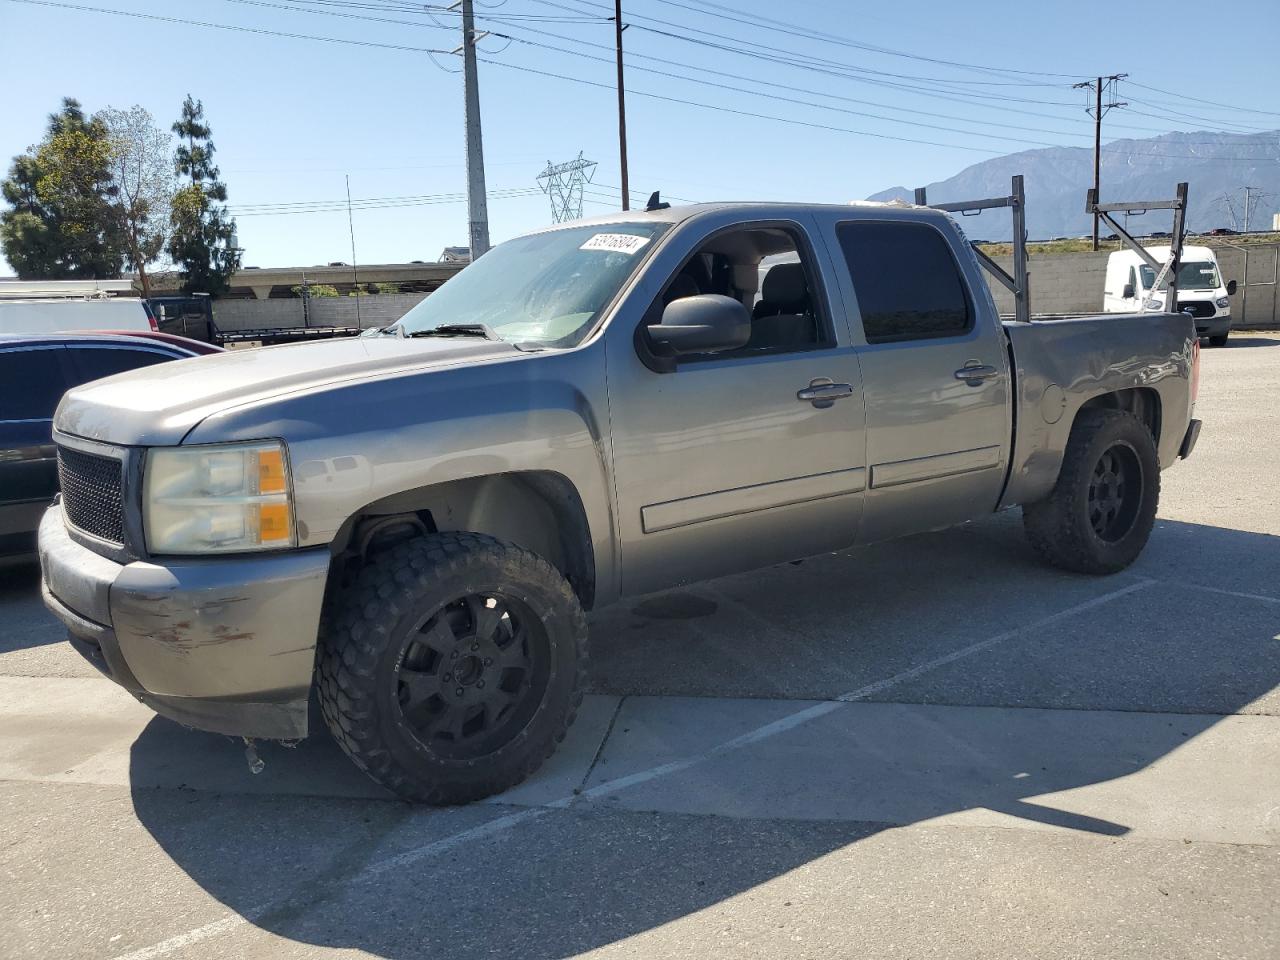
(1131, 288)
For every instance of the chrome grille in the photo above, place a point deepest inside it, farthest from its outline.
(91, 495)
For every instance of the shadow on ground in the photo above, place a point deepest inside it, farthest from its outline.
(572, 880)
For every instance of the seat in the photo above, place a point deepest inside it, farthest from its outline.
(783, 319)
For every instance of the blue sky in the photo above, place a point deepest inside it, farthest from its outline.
(292, 116)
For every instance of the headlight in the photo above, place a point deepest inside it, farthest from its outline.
(1222, 303)
(221, 498)
(1152, 304)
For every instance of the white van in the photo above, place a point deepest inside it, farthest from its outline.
(61, 314)
(1201, 290)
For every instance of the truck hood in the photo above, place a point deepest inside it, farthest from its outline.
(160, 404)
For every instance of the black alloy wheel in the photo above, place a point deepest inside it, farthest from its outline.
(471, 675)
(1115, 492)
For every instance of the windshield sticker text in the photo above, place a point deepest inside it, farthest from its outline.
(627, 243)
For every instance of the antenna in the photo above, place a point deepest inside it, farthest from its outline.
(563, 183)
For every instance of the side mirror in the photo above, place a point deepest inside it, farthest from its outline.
(706, 323)
(1231, 288)
(1127, 292)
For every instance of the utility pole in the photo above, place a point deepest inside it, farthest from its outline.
(477, 204)
(622, 107)
(355, 271)
(1099, 85)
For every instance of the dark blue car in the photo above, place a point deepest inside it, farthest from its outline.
(35, 371)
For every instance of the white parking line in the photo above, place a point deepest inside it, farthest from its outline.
(491, 827)
(881, 685)
(1226, 593)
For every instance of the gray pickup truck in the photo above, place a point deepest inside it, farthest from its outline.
(412, 523)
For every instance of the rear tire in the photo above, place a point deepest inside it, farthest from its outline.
(1103, 506)
(1219, 341)
(451, 666)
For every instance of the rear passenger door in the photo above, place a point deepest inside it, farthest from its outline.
(934, 370)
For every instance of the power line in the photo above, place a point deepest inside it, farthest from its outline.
(780, 26)
(1212, 103)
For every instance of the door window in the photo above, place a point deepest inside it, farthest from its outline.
(771, 273)
(906, 280)
(31, 383)
(94, 363)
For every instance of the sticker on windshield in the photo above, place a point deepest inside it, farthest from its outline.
(627, 243)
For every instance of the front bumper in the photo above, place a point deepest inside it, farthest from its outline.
(1213, 326)
(224, 644)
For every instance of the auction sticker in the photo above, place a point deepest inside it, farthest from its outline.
(627, 243)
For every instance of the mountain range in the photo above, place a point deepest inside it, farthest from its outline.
(1215, 165)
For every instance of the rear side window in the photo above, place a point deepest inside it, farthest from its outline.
(94, 363)
(906, 280)
(31, 383)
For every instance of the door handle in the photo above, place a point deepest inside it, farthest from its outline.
(823, 393)
(974, 375)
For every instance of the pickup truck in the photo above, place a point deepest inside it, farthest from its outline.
(411, 524)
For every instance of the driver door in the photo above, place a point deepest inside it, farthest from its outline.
(724, 465)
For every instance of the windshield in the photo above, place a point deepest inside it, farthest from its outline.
(1193, 275)
(545, 289)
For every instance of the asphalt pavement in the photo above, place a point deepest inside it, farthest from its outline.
(933, 748)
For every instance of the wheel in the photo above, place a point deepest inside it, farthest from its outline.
(451, 666)
(1103, 506)
(1219, 341)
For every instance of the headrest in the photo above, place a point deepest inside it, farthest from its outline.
(785, 283)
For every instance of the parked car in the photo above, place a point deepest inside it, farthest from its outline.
(596, 410)
(1130, 285)
(34, 373)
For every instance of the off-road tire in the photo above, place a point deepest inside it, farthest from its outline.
(371, 620)
(1219, 341)
(1059, 527)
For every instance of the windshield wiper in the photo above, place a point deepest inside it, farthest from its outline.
(458, 330)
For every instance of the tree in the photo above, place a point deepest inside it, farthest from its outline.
(58, 225)
(201, 242)
(142, 171)
(315, 290)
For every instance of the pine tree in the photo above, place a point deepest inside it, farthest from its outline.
(201, 241)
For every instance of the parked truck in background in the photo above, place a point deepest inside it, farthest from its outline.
(414, 523)
(1132, 285)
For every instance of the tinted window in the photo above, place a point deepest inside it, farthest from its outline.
(31, 384)
(906, 280)
(94, 363)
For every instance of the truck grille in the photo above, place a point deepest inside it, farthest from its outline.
(1197, 308)
(91, 496)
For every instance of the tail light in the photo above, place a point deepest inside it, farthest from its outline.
(151, 319)
(1195, 368)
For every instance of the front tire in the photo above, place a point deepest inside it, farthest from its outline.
(1103, 506)
(1219, 341)
(451, 666)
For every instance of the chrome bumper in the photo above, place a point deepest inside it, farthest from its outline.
(225, 644)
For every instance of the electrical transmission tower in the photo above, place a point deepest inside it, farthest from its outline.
(1252, 197)
(563, 183)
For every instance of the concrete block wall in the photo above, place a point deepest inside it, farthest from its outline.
(375, 311)
(1073, 283)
